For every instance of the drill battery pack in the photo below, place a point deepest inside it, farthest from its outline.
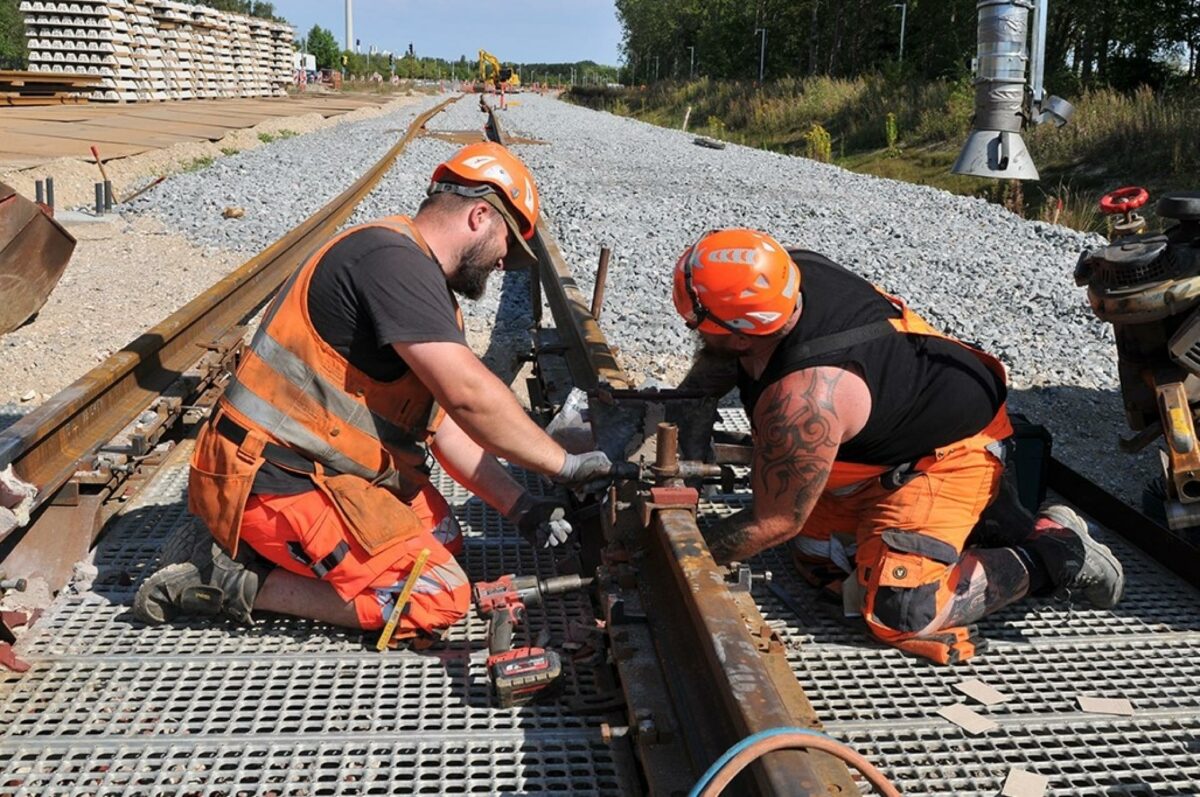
(523, 675)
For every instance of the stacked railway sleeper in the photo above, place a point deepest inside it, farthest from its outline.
(667, 661)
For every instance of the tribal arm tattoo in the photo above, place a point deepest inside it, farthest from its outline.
(797, 433)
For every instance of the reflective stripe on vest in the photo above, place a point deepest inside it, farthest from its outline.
(328, 395)
(297, 389)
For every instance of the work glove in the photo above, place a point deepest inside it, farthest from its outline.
(541, 521)
(588, 471)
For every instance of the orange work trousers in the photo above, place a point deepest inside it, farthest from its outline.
(907, 544)
(306, 535)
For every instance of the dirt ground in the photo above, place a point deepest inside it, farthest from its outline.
(74, 179)
(124, 276)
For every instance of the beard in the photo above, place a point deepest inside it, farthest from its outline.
(712, 348)
(477, 264)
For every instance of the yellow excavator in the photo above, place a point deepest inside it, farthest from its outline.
(491, 71)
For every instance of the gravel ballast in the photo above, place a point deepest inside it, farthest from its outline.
(971, 268)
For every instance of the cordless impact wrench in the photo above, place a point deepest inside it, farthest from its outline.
(519, 675)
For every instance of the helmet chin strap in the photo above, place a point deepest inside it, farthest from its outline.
(701, 312)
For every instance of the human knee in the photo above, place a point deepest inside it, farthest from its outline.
(440, 598)
(905, 578)
(902, 610)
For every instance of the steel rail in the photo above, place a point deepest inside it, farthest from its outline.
(589, 357)
(700, 631)
(47, 446)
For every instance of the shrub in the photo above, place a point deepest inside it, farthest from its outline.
(891, 133)
(820, 145)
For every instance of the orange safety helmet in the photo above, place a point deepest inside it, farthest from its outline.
(477, 170)
(736, 281)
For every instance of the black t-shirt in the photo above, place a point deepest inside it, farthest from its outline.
(925, 392)
(373, 288)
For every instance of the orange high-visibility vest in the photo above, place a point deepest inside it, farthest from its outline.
(293, 390)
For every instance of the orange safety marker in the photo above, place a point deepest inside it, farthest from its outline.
(402, 601)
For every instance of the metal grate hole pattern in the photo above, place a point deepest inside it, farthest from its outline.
(293, 695)
(880, 685)
(312, 769)
(111, 707)
(1148, 758)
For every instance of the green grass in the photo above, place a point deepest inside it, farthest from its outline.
(229, 151)
(198, 164)
(1114, 139)
(282, 135)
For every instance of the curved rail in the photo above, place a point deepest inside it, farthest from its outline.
(46, 446)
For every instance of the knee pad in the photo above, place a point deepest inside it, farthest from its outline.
(904, 609)
(903, 573)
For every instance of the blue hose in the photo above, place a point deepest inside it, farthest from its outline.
(719, 764)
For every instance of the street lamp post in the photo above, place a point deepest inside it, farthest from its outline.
(656, 69)
(691, 63)
(903, 19)
(762, 54)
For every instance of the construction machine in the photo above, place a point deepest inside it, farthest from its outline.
(492, 71)
(1146, 284)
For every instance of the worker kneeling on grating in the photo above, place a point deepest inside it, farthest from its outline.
(879, 449)
(312, 475)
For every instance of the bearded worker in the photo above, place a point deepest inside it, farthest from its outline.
(879, 449)
(312, 474)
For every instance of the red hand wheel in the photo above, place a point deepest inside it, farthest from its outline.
(1124, 200)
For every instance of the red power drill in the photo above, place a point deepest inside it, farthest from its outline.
(519, 675)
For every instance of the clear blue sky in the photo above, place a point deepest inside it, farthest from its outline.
(517, 31)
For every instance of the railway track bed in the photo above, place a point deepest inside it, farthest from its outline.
(290, 707)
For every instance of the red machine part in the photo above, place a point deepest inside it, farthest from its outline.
(1124, 200)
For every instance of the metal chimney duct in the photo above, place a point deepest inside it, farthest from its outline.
(1003, 102)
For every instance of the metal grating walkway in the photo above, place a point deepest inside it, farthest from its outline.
(289, 707)
(1041, 653)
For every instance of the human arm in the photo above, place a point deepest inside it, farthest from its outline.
(541, 521)
(800, 422)
(712, 373)
(467, 463)
(484, 408)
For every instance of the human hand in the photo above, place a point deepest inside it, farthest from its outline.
(583, 469)
(542, 522)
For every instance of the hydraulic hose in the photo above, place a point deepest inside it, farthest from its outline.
(748, 750)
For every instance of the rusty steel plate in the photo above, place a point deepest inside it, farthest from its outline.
(34, 251)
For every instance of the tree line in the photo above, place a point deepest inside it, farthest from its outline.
(1121, 43)
(406, 63)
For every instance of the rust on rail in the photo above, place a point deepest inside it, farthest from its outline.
(589, 356)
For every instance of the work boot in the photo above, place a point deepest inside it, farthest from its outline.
(210, 584)
(1076, 563)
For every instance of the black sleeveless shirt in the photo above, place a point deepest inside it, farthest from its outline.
(925, 392)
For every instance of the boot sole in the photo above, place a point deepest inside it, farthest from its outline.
(145, 608)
